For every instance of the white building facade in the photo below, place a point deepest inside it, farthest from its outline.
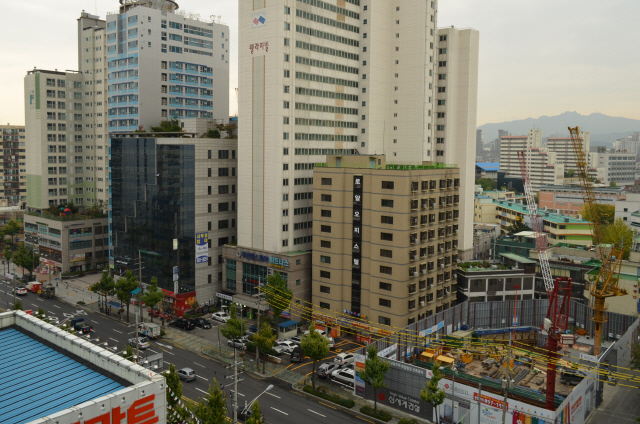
(317, 79)
(510, 145)
(617, 167)
(563, 148)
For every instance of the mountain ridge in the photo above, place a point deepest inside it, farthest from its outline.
(604, 129)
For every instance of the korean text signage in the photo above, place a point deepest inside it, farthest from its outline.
(432, 329)
(356, 251)
(273, 261)
(142, 411)
(202, 248)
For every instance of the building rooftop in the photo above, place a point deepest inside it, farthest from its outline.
(518, 258)
(38, 381)
(577, 188)
(546, 216)
(489, 166)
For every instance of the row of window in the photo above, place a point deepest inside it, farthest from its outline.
(327, 21)
(326, 50)
(327, 36)
(325, 94)
(324, 65)
(326, 80)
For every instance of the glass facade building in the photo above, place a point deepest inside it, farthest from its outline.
(151, 204)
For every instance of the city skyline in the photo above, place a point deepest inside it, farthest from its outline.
(554, 57)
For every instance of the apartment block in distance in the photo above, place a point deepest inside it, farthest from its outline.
(177, 208)
(385, 238)
(318, 79)
(563, 148)
(14, 167)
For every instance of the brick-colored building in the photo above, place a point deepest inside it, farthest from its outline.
(385, 238)
(568, 200)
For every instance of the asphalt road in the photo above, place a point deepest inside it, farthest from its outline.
(281, 404)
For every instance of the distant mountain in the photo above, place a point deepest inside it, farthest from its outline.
(604, 129)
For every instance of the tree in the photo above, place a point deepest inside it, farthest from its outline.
(124, 287)
(606, 213)
(570, 173)
(8, 255)
(129, 354)
(168, 126)
(97, 210)
(613, 184)
(152, 295)
(430, 392)
(11, 229)
(315, 346)
(256, 415)
(105, 287)
(213, 408)
(26, 259)
(621, 235)
(518, 226)
(277, 294)
(175, 390)
(17, 306)
(213, 133)
(230, 128)
(374, 371)
(235, 327)
(264, 340)
(487, 184)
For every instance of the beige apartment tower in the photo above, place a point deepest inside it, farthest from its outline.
(385, 238)
(14, 167)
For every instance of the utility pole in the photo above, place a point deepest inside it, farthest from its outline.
(235, 387)
(258, 329)
(479, 400)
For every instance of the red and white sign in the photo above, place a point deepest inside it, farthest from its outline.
(142, 411)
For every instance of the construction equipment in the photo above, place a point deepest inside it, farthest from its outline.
(558, 312)
(606, 284)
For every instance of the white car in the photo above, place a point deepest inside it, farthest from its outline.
(220, 316)
(345, 376)
(285, 346)
(142, 342)
(322, 332)
(344, 358)
(21, 291)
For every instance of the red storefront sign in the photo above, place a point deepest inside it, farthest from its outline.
(140, 412)
(488, 400)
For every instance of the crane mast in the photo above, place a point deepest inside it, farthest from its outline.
(606, 284)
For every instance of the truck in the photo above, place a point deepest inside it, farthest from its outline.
(150, 330)
(48, 292)
(34, 286)
(79, 325)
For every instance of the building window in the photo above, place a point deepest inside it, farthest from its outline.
(325, 289)
(386, 253)
(386, 236)
(325, 305)
(325, 197)
(384, 302)
(325, 228)
(384, 320)
(325, 259)
(385, 286)
(325, 244)
(326, 181)
(387, 185)
(325, 213)
(385, 270)
(386, 219)
(325, 274)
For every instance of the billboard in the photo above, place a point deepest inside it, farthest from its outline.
(359, 385)
(76, 257)
(202, 248)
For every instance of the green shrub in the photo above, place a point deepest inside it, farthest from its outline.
(80, 302)
(381, 415)
(408, 421)
(346, 402)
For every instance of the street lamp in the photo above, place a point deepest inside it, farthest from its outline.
(247, 406)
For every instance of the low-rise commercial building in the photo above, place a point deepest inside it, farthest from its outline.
(67, 243)
(493, 283)
(385, 238)
(487, 170)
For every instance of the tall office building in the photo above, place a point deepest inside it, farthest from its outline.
(479, 143)
(14, 167)
(319, 79)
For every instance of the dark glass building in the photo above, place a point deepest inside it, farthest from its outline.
(152, 205)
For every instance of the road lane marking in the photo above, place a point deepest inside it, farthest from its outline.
(113, 339)
(365, 420)
(279, 411)
(239, 394)
(153, 350)
(93, 321)
(317, 413)
(329, 406)
(56, 306)
(195, 363)
(206, 393)
(271, 394)
(117, 331)
(202, 378)
(51, 313)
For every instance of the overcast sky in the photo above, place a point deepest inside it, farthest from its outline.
(537, 57)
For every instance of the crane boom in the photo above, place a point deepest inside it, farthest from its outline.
(606, 284)
(541, 239)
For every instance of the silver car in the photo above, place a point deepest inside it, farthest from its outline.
(187, 374)
(344, 376)
(326, 369)
(143, 343)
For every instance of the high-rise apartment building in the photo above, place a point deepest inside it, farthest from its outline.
(14, 167)
(618, 168)
(164, 65)
(385, 238)
(563, 147)
(319, 79)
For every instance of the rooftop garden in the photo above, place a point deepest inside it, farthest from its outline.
(481, 265)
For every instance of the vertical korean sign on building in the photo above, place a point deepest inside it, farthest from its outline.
(202, 248)
(356, 251)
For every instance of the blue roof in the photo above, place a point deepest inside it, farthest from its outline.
(287, 324)
(489, 166)
(37, 381)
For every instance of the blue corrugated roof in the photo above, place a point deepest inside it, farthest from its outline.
(287, 324)
(489, 166)
(37, 381)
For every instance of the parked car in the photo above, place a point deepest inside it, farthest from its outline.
(220, 316)
(187, 374)
(21, 291)
(202, 323)
(296, 340)
(322, 332)
(142, 341)
(285, 345)
(184, 323)
(344, 376)
(325, 370)
(344, 358)
(332, 342)
(237, 344)
(253, 328)
(349, 366)
(571, 377)
(296, 354)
